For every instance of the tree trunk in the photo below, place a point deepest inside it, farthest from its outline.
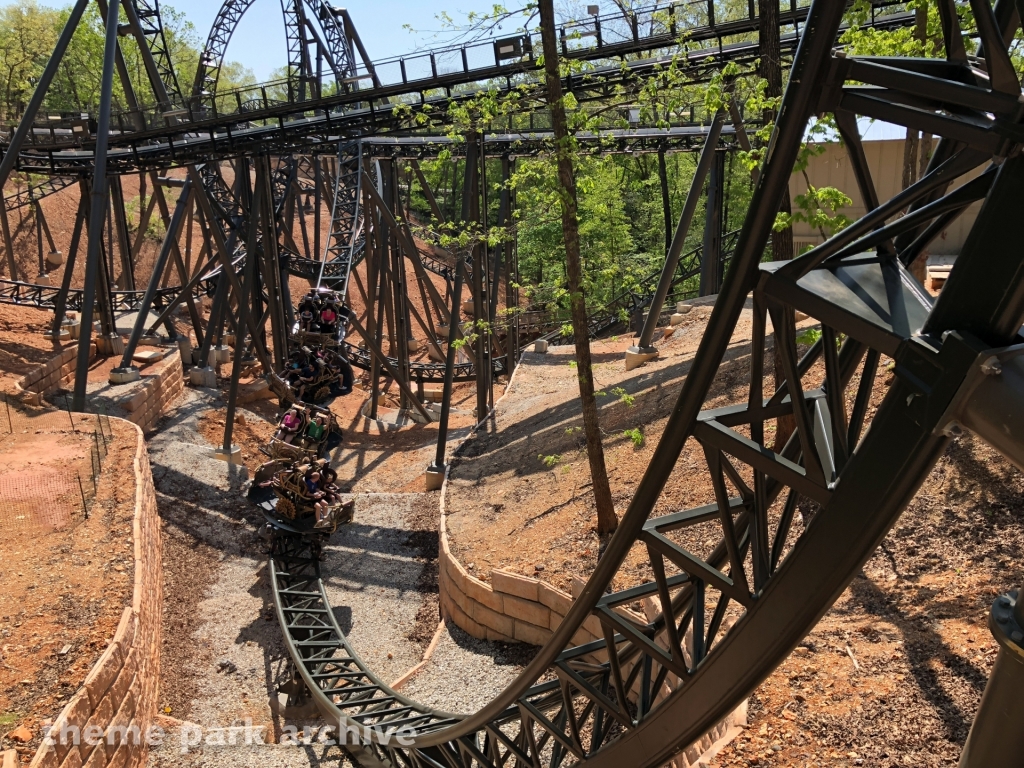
(607, 521)
(782, 242)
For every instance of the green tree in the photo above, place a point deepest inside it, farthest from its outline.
(27, 36)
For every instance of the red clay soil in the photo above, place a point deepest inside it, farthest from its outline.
(369, 459)
(23, 346)
(66, 582)
(893, 673)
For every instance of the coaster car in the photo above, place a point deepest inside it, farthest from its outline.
(313, 375)
(304, 432)
(321, 319)
(304, 497)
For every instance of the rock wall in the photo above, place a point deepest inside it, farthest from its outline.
(106, 722)
(142, 402)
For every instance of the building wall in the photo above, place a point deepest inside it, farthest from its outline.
(885, 159)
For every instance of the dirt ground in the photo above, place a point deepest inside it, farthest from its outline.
(893, 673)
(23, 346)
(66, 580)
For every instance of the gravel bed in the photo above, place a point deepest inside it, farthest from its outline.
(464, 673)
(223, 653)
(224, 656)
(371, 573)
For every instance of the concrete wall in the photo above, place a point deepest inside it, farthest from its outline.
(121, 689)
(885, 159)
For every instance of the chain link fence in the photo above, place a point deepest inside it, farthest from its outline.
(43, 495)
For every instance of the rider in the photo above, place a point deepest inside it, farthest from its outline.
(290, 424)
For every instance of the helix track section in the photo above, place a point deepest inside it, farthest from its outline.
(731, 611)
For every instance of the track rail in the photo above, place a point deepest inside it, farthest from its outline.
(318, 124)
(729, 610)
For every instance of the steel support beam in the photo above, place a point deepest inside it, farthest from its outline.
(98, 204)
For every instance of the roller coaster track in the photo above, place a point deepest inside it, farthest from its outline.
(728, 612)
(316, 124)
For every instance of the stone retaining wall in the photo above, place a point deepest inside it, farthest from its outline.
(514, 608)
(119, 696)
(50, 376)
(161, 384)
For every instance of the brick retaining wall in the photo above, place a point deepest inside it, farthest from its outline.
(51, 375)
(514, 608)
(120, 691)
(162, 383)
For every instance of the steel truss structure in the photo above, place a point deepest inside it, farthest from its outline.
(726, 613)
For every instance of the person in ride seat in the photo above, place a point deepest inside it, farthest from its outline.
(317, 427)
(291, 423)
(314, 489)
(305, 376)
(328, 319)
(306, 319)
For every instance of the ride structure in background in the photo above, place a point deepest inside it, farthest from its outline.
(727, 614)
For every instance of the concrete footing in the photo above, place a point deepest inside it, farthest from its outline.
(540, 346)
(232, 456)
(434, 477)
(109, 345)
(124, 375)
(185, 349)
(637, 356)
(203, 377)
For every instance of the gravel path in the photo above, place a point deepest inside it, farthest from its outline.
(371, 572)
(464, 673)
(223, 652)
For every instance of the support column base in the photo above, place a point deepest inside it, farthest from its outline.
(185, 350)
(996, 739)
(109, 345)
(232, 456)
(203, 377)
(124, 375)
(435, 477)
(637, 356)
(540, 346)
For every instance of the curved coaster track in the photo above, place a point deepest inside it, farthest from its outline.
(729, 613)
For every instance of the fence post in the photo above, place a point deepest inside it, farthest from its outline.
(67, 405)
(81, 489)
